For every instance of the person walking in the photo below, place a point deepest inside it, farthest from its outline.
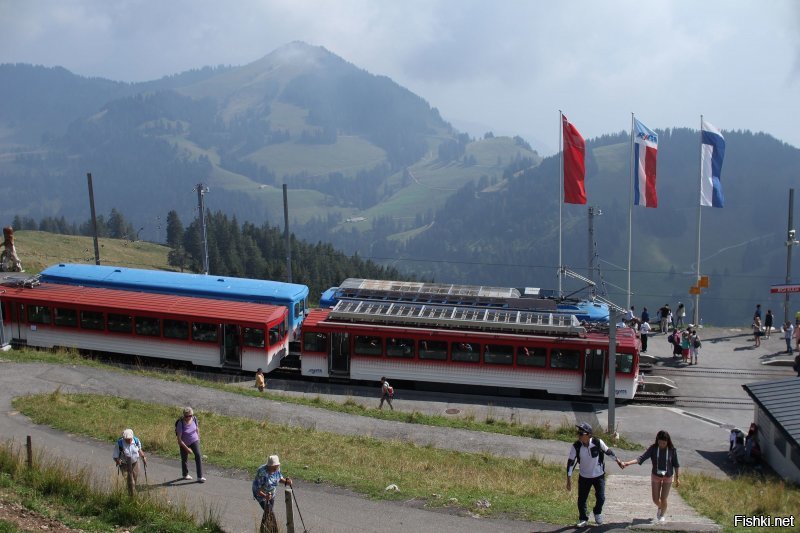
(588, 452)
(664, 459)
(265, 485)
(768, 321)
(260, 382)
(680, 314)
(188, 432)
(788, 331)
(644, 331)
(664, 313)
(694, 345)
(757, 333)
(129, 449)
(387, 393)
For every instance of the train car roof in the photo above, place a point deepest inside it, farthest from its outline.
(111, 300)
(316, 317)
(176, 282)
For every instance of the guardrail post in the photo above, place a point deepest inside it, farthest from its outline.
(289, 510)
(29, 450)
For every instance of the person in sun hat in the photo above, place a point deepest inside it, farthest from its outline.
(129, 448)
(265, 484)
(589, 452)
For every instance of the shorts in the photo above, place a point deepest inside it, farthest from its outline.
(685, 352)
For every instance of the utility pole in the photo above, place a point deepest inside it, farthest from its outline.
(593, 211)
(201, 190)
(613, 318)
(94, 219)
(790, 241)
(286, 231)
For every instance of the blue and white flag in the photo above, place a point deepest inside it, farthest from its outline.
(712, 151)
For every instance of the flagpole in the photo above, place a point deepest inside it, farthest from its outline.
(696, 315)
(630, 218)
(560, 194)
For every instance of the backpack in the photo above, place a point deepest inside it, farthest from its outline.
(121, 442)
(671, 338)
(594, 441)
(697, 343)
(180, 421)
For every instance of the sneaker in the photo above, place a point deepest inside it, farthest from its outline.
(598, 518)
(187, 477)
(662, 519)
(201, 480)
(658, 515)
(582, 523)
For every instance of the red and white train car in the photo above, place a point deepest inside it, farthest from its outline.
(204, 332)
(363, 340)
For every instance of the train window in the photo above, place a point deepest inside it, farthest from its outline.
(315, 342)
(38, 314)
(368, 345)
(276, 333)
(253, 337)
(532, 356)
(433, 350)
(120, 323)
(298, 309)
(568, 359)
(204, 332)
(176, 329)
(498, 354)
(92, 320)
(65, 317)
(147, 326)
(624, 363)
(399, 347)
(465, 352)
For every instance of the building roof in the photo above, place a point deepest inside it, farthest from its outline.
(779, 400)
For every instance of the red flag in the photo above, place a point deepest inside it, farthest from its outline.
(574, 166)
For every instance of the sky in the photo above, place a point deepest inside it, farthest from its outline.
(506, 66)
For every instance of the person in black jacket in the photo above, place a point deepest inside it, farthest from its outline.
(664, 458)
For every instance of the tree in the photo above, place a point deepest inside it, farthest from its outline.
(175, 230)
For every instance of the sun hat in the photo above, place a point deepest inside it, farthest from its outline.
(584, 428)
(273, 461)
(127, 434)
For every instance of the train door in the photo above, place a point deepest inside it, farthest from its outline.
(594, 364)
(231, 350)
(19, 330)
(339, 360)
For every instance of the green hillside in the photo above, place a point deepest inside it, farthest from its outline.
(38, 250)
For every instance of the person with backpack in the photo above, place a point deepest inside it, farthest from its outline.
(129, 449)
(664, 457)
(674, 339)
(188, 432)
(265, 485)
(588, 452)
(387, 393)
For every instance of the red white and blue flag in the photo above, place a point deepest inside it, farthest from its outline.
(645, 148)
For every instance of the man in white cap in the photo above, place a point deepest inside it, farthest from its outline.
(265, 485)
(588, 452)
(129, 448)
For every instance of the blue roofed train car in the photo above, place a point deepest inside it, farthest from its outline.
(293, 296)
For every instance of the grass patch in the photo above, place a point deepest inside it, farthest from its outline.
(722, 499)
(564, 432)
(525, 489)
(57, 491)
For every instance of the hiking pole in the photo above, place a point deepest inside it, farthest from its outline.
(298, 511)
(146, 481)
